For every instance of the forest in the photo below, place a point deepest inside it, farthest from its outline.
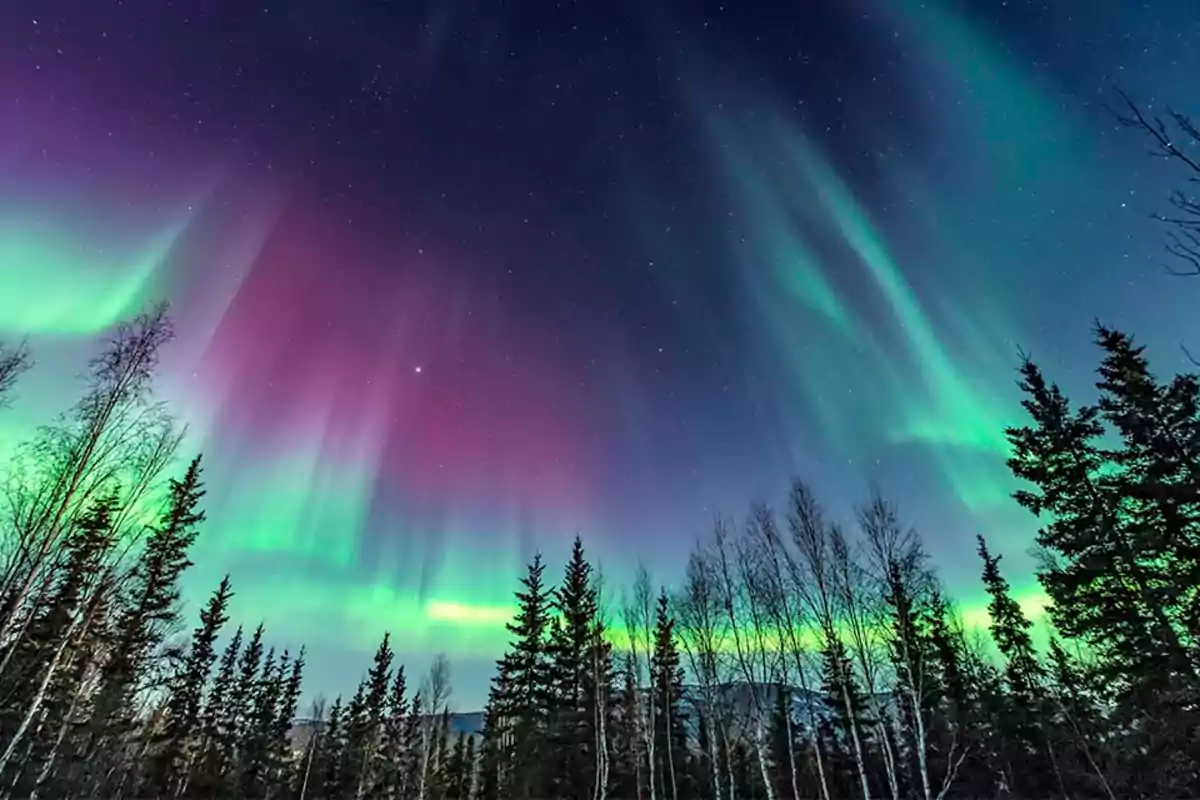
(798, 658)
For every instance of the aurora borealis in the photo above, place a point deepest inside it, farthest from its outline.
(455, 281)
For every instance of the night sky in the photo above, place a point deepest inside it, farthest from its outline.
(455, 281)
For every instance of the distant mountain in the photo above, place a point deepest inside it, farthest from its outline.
(736, 695)
(469, 722)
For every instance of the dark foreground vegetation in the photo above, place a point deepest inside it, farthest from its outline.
(797, 659)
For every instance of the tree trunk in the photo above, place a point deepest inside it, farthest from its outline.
(760, 749)
(852, 720)
(791, 754)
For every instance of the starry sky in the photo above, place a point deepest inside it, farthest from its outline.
(458, 279)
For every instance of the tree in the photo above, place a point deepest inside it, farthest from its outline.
(153, 607)
(581, 673)
(782, 596)
(667, 686)
(522, 694)
(741, 589)
(638, 616)
(1023, 673)
(171, 765)
(812, 535)
(435, 692)
(702, 636)
(1106, 582)
(78, 589)
(13, 362)
(219, 721)
(114, 432)
(1174, 142)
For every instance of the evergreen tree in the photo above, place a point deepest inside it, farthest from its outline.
(784, 740)
(330, 763)
(1023, 674)
(522, 696)
(1010, 628)
(153, 607)
(367, 725)
(576, 695)
(219, 722)
(666, 674)
(171, 764)
(280, 760)
(838, 682)
(1105, 572)
(392, 771)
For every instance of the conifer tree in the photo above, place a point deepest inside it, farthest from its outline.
(522, 695)
(154, 602)
(1104, 578)
(39, 693)
(219, 722)
(171, 764)
(366, 735)
(392, 771)
(1010, 628)
(330, 762)
(1024, 678)
(667, 684)
(839, 689)
(573, 734)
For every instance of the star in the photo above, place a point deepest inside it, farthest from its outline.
(417, 369)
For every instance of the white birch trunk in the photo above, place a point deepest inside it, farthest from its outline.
(760, 749)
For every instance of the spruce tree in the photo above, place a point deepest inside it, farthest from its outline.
(839, 682)
(170, 766)
(1024, 677)
(219, 722)
(666, 675)
(330, 763)
(522, 695)
(572, 641)
(153, 604)
(784, 741)
(367, 731)
(391, 773)
(1010, 628)
(1105, 574)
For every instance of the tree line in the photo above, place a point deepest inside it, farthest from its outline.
(797, 657)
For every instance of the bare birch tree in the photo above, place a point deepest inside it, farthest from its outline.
(703, 636)
(900, 569)
(754, 654)
(783, 601)
(811, 534)
(107, 439)
(13, 362)
(436, 693)
(638, 615)
(599, 650)
(863, 622)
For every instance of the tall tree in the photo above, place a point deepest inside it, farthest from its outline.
(572, 642)
(1108, 582)
(115, 437)
(171, 765)
(152, 609)
(667, 686)
(522, 695)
